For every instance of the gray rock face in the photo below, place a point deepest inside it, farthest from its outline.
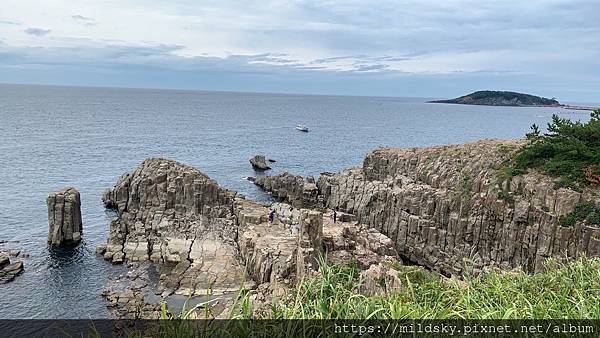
(310, 242)
(298, 191)
(8, 270)
(443, 208)
(446, 208)
(163, 207)
(259, 162)
(380, 280)
(4, 260)
(64, 217)
(209, 240)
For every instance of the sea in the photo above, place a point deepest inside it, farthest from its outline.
(52, 137)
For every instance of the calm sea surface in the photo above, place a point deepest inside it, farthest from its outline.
(52, 137)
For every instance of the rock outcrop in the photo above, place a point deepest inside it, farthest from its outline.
(447, 208)
(8, 270)
(208, 241)
(259, 162)
(64, 217)
(298, 191)
(163, 207)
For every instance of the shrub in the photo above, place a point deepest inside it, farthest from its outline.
(586, 211)
(570, 150)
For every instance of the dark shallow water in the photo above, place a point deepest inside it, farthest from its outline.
(52, 137)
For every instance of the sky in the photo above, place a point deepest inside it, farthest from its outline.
(425, 48)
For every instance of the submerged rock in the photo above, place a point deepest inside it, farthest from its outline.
(259, 162)
(64, 217)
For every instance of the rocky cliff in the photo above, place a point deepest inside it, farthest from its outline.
(207, 241)
(447, 207)
(297, 190)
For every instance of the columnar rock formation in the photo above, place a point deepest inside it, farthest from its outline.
(448, 208)
(212, 241)
(163, 207)
(64, 217)
(300, 192)
(310, 242)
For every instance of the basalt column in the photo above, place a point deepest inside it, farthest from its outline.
(310, 242)
(64, 217)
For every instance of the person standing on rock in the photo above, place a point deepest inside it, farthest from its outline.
(335, 215)
(271, 217)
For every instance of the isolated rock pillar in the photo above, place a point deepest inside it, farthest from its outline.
(64, 217)
(310, 242)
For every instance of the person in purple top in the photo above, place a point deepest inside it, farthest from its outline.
(271, 217)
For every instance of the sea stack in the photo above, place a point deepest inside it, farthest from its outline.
(259, 162)
(64, 217)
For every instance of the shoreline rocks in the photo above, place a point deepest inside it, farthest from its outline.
(445, 208)
(8, 270)
(64, 217)
(259, 162)
(440, 207)
(208, 241)
(298, 191)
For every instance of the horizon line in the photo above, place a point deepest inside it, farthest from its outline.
(258, 91)
(208, 90)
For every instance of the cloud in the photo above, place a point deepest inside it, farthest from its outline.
(37, 31)
(370, 68)
(8, 22)
(555, 40)
(84, 20)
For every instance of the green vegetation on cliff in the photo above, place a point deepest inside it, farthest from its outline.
(570, 151)
(501, 98)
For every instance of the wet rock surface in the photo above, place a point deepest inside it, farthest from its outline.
(64, 217)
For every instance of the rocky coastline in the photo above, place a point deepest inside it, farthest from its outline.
(445, 208)
(209, 243)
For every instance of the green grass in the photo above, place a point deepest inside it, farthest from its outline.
(561, 292)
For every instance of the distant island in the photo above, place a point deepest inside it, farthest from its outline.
(502, 98)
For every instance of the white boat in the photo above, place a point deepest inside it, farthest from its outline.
(302, 127)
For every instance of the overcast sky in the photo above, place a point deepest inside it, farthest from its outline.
(426, 48)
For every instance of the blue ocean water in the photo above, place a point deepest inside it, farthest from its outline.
(52, 137)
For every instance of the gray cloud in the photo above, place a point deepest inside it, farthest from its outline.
(551, 42)
(37, 31)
